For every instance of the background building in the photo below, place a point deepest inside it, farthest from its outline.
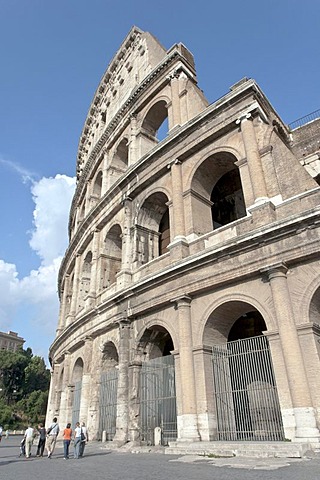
(10, 341)
(190, 296)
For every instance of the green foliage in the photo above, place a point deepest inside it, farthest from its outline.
(24, 385)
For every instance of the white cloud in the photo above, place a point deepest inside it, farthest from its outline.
(25, 175)
(52, 197)
(9, 295)
(34, 298)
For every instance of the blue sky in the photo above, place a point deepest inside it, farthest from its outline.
(53, 55)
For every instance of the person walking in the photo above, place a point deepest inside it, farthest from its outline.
(1, 430)
(52, 434)
(77, 440)
(67, 433)
(29, 436)
(42, 440)
(84, 438)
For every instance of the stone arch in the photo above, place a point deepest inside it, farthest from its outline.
(119, 161)
(314, 307)
(216, 192)
(76, 381)
(151, 129)
(59, 389)
(154, 341)
(77, 371)
(152, 228)
(120, 157)
(110, 356)
(82, 211)
(97, 186)
(85, 278)
(112, 256)
(244, 384)
(222, 319)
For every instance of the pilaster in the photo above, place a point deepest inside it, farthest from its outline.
(258, 183)
(122, 419)
(188, 422)
(306, 429)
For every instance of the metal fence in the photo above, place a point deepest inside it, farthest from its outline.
(304, 120)
(108, 404)
(76, 403)
(158, 400)
(246, 397)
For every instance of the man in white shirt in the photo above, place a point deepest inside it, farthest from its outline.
(52, 433)
(29, 434)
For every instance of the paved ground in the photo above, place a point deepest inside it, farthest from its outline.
(102, 464)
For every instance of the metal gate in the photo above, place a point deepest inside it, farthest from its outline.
(76, 403)
(158, 400)
(245, 391)
(108, 404)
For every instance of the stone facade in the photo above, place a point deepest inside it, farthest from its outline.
(205, 237)
(10, 341)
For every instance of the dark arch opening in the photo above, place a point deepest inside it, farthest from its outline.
(164, 230)
(249, 325)
(227, 198)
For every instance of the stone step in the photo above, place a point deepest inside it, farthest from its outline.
(238, 449)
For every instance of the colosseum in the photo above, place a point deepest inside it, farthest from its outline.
(190, 289)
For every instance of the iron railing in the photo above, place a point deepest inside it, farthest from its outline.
(304, 120)
(108, 404)
(246, 397)
(158, 400)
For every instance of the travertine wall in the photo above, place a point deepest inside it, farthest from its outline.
(242, 214)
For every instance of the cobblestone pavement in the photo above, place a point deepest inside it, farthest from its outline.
(100, 463)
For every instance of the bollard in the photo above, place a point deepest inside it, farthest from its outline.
(157, 436)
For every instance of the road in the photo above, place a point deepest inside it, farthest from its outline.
(102, 464)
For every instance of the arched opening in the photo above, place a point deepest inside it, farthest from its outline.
(119, 162)
(155, 117)
(84, 285)
(227, 199)
(59, 392)
(96, 190)
(156, 342)
(154, 127)
(76, 380)
(110, 357)
(152, 230)
(164, 230)
(82, 212)
(111, 259)
(108, 391)
(245, 394)
(249, 325)
(120, 158)
(216, 193)
(314, 317)
(157, 386)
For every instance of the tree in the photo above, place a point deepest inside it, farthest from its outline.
(37, 376)
(24, 386)
(12, 374)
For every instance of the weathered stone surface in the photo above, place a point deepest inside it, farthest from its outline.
(175, 242)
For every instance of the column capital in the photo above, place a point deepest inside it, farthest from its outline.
(175, 161)
(182, 301)
(277, 270)
(244, 116)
